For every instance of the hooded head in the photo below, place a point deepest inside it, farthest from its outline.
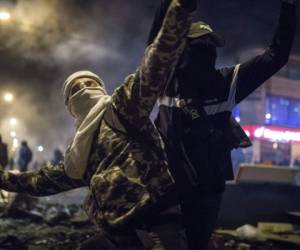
(201, 29)
(86, 99)
(202, 47)
(81, 91)
(198, 62)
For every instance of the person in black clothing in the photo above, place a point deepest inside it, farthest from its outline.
(22, 202)
(25, 156)
(3, 154)
(195, 116)
(57, 157)
(3, 160)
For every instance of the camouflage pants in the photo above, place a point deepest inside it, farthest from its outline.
(161, 237)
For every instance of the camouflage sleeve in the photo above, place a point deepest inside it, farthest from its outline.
(47, 181)
(135, 99)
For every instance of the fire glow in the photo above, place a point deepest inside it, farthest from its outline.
(272, 133)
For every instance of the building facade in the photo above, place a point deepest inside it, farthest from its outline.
(271, 117)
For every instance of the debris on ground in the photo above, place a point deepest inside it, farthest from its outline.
(267, 235)
(47, 226)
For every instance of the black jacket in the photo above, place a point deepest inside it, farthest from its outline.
(3, 155)
(195, 158)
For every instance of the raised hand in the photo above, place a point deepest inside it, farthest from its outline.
(289, 1)
(190, 5)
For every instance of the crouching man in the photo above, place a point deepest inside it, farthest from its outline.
(116, 150)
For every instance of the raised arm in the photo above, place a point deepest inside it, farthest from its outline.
(47, 181)
(158, 20)
(135, 99)
(257, 70)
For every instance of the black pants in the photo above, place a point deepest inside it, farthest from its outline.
(160, 237)
(200, 213)
(164, 232)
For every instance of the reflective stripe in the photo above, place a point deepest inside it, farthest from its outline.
(210, 109)
(232, 93)
(230, 103)
(169, 101)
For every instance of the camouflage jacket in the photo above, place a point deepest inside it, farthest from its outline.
(127, 172)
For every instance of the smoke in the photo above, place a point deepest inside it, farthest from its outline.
(45, 41)
(34, 25)
(27, 115)
(64, 52)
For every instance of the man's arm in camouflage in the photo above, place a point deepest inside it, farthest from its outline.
(47, 181)
(135, 99)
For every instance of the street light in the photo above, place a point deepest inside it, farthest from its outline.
(13, 121)
(15, 144)
(13, 134)
(8, 97)
(40, 148)
(4, 16)
(268, 116)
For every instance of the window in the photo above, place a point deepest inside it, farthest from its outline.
(282, 111)
(294, 73)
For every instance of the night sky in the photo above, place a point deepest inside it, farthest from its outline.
(47, 40)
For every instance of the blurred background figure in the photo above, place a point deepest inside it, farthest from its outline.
(11, 163)
(57, 157)
(3, 154)
(3, 162)
(25, 156)
(297, 162)
(21, 204)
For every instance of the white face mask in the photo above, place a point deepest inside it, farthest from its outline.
(80, 104)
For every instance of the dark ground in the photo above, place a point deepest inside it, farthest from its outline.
(59, 223)
(57, 227)
(47, 226)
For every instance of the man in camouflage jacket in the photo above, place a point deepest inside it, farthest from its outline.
(127, 172)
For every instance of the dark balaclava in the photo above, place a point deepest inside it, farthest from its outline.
(201, 59)
(197, 70)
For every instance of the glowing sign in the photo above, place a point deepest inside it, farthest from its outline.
(272, 133)
(259, 132)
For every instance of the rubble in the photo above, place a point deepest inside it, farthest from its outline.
(48, 226)
(64, 227)
(273, 236)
